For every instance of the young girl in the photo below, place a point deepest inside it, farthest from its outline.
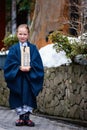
(24, 81)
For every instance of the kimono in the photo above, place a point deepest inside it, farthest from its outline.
(23, 86)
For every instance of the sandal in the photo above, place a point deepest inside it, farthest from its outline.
(19, 122)
(29, 123)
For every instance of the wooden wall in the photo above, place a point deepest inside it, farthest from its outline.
(2, 21)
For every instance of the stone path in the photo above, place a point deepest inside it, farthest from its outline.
(8, 117)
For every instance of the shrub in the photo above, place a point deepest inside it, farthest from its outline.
(9, 40)
(72, 48)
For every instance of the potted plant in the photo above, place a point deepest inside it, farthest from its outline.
(8, 41)
(76, 50)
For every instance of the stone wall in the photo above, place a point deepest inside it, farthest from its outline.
(4, 91)
(64, 92)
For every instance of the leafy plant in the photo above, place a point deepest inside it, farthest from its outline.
(9, 40)
(61, 42)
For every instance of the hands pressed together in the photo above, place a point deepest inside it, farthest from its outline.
(25, 68)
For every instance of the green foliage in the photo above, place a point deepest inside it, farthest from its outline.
(61, 42)
(9, 40)
(26, 5)
(8, 9)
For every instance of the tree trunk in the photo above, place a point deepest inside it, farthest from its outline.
(13, 17)
(49, 15)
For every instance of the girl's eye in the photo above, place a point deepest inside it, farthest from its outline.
(22, 34)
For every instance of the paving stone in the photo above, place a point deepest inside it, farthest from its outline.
(8, 117)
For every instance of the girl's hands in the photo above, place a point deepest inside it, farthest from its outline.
(25, 68)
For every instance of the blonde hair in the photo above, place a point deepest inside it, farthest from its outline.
(23, 26)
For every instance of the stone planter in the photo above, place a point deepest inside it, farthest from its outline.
(2, 61)
(3, 56)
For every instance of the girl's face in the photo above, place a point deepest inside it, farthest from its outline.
(22, 34)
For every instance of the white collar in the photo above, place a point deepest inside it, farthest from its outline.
(23, 44)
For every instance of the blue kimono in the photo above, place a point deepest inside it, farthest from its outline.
(24, 86)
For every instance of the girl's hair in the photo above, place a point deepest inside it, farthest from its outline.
(23, 26)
